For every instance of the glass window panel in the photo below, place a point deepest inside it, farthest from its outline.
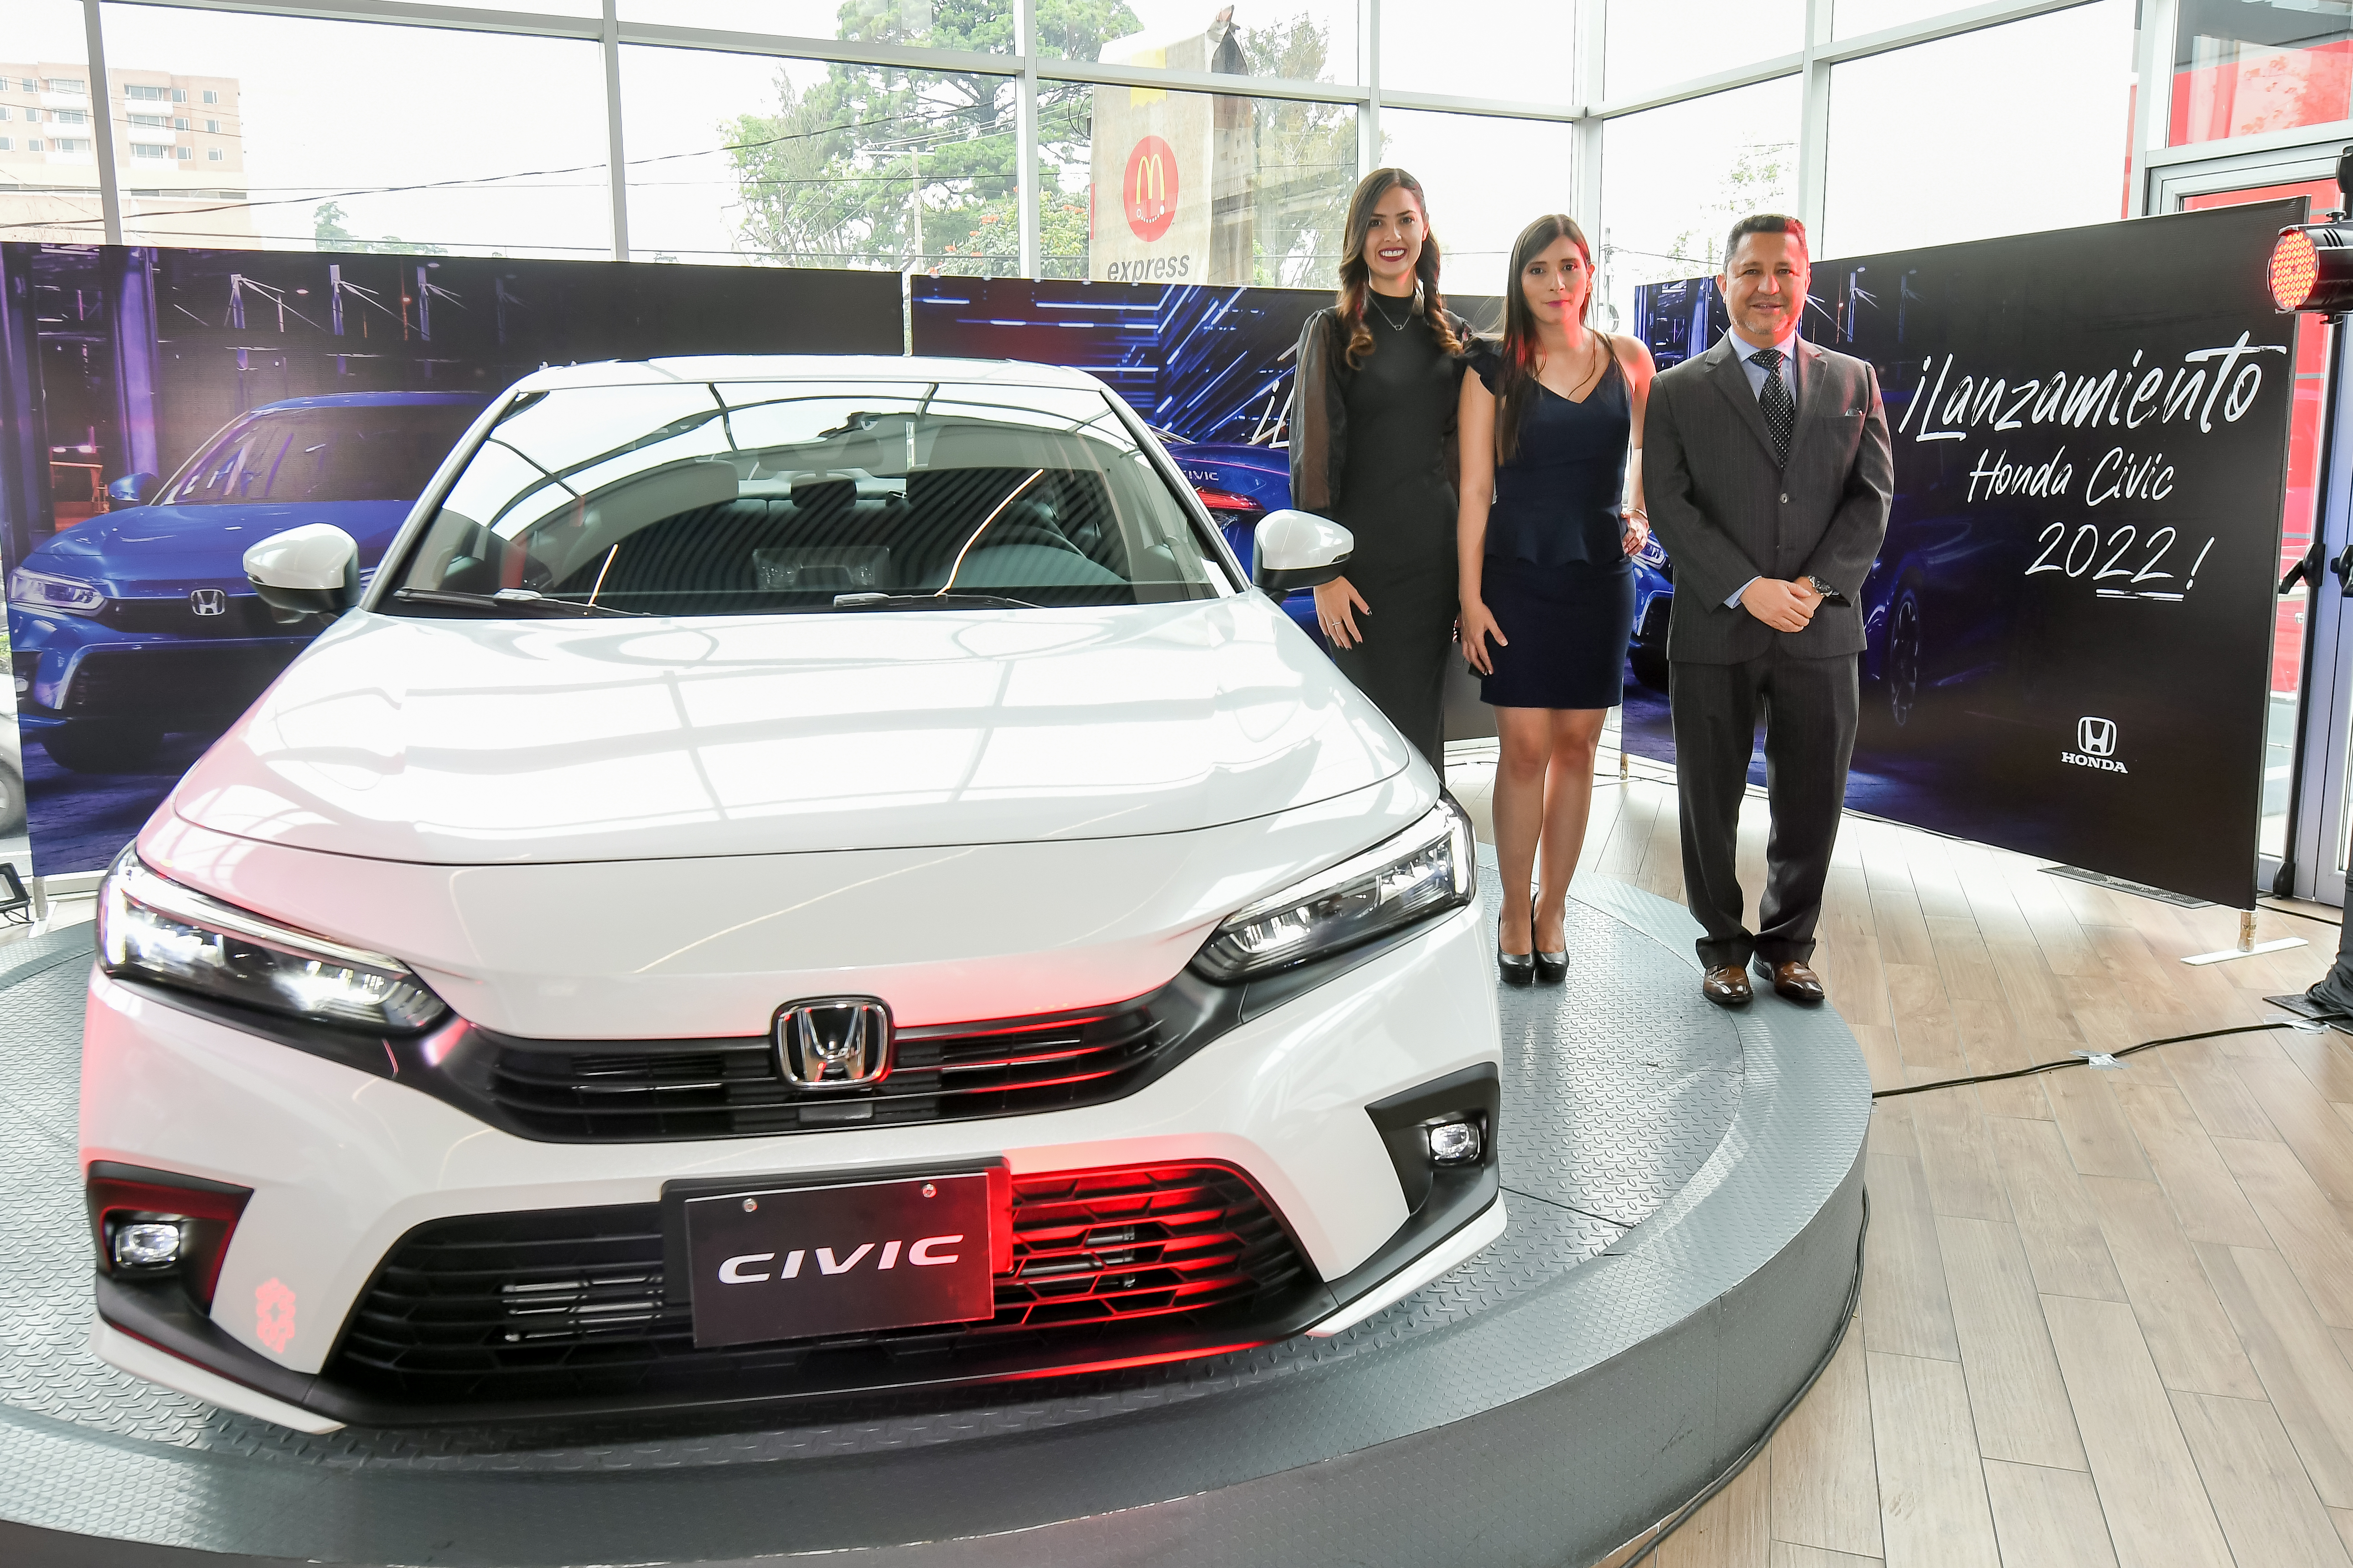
(806, 164)
(2241, 65)
(982, 25)
(1304, 40)
(304, 164)
(1851, 18)
(1527, 50)
(1651, 44)
(1674, 180)
(1146, 186)
(48, 170)
(1926, 144)
(1486, 180)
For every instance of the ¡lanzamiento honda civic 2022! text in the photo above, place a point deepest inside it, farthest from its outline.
(797, 877)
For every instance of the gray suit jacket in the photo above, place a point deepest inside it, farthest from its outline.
(1726, 514)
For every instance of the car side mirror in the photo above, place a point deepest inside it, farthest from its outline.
(131, 489)
(1295, 550)
(314, 569)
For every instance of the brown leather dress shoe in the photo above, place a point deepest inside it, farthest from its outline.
(1726, 986)
(1792, 980)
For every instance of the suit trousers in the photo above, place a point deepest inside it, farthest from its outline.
(1808, 707)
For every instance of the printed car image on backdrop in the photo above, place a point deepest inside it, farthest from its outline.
(1210, 369)
(166, 409)
(2070, 621)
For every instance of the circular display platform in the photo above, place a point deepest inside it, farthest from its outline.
(1685, 1196)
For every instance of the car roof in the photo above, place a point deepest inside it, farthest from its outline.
(894, 369)
(375, 400)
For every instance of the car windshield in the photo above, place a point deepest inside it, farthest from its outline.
(752, 498)
(373, 452)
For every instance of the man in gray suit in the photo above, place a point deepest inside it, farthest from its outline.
(1767, 472)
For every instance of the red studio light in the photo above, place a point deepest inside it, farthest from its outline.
(2294, 270)
(2311, 269)
(2311, 266)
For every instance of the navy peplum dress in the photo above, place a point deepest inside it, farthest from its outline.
(1556, 578)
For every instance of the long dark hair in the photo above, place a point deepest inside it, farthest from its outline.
(1355, 278)
(1519, 351)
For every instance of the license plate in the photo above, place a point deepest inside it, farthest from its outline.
(788, 1263)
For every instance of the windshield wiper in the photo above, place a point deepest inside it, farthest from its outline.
(929, 601)
(505, 602)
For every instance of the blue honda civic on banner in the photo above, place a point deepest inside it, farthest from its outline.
(141, 619)
(1240, 484)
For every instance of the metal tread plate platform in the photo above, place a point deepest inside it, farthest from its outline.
(1684, 1190)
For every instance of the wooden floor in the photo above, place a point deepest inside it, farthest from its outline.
(2106, 1315)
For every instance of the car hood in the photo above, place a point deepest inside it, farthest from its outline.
(167, 549)
(482, 742)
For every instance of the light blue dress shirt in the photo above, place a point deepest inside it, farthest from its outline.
(1756, 374)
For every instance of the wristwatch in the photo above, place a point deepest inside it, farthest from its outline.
(1830, 595)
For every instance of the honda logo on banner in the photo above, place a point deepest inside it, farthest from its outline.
(2095, 746)
(834, 1042)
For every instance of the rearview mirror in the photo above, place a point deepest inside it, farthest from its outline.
(1295, 550)
(131, 489)
(314, 569)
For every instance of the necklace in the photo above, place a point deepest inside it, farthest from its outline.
(1586, 379)
(1395, 326)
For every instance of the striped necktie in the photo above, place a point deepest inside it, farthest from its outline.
(1780, 412)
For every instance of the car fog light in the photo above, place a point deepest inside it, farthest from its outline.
(148, 1244)
(1455, 1142)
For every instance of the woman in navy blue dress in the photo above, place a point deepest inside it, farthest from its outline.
(1550, 511)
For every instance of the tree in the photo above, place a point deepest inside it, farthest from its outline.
(1759, 180)
(1306, 161)
(328, 233)
(909, 168)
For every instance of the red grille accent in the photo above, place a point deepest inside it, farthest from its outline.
(1140, 1241)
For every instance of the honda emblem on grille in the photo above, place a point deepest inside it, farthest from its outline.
(208, 601)
(834, 1041)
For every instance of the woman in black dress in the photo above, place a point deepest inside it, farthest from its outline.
(1372, 422)
(1552, 508)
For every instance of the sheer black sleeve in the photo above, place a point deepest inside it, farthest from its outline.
(1319, 420)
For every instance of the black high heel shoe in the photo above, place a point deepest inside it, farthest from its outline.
(1551, 967)
(1517, 968)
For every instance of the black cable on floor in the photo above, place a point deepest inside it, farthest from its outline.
(1846, 1320)
(2077, 1061)
(2297, 914)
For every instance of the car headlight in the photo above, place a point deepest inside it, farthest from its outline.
(1427, 869)
(151, 929)
(31, 590)
(1653, 553)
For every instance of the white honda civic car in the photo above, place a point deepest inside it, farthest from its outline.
(798, 878)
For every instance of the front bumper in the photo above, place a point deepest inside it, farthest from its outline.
(75, 671)
(342, 1164)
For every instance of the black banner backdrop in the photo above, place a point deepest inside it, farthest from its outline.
(2070, 623)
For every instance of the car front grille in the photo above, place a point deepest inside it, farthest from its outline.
(1652, 632)
(241, 615)
(556, 1307)
(163, 681)
(576, 1091)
